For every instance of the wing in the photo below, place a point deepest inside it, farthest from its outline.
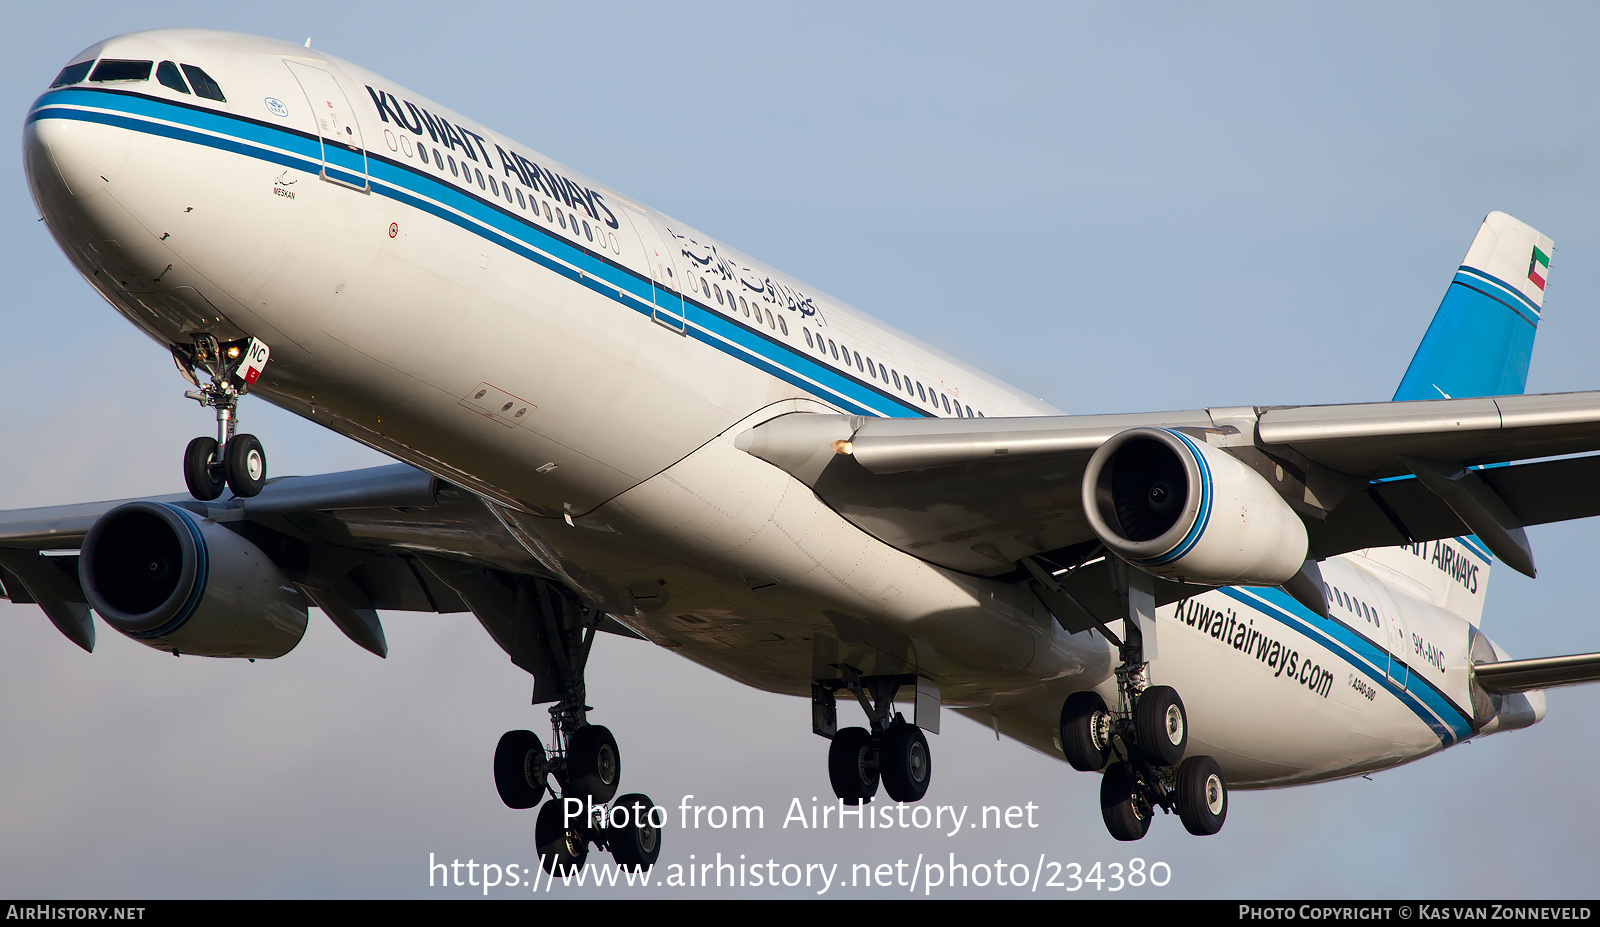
(980, 495)
(351, 543)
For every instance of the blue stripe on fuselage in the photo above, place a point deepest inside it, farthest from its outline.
(1447, 721)
(466, 210)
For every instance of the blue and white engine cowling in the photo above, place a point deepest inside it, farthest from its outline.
(174, 581)
(1181, 509)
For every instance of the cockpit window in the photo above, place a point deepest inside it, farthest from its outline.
(204, 86)
(167, 74)
(111, 69)
(72, 74)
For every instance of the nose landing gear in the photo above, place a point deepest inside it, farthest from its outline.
(236, 461)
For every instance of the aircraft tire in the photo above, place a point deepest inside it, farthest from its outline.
(636, 845)
(1124, 815)
(205, 482)
(853, 765)
(1202, 795)
(594, 763)
(1161, 725)
(519, 769)
(1083, 716)
(245, 463)
(561, 849)
(905, 763)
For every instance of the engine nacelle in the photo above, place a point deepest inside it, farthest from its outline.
(1181, 509)
(174, 581)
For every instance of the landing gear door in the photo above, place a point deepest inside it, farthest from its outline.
(344, 153)
(663, 271)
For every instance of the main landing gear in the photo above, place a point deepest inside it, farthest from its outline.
(548, 631)
(894, 751)
(1141, 746)
(233, 460)
(1142, 754)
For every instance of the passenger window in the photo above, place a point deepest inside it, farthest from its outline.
(858, 362)
(870, 369)
(587, 232)
(834, 348)
(72, 74)
(547, 213)
(562, 218)
(920, 394)
(520, 201)
(717, 291)
(807, 333)
(883, 374)
(746, 307)
(203, 85)
(480, 178)
(453, 167)
(167, 74)
(969, 411)
(946, 400)
(770, 323)
(110, 70)
(896, 375)
(782, 325)
(421, 153)
(494, 185)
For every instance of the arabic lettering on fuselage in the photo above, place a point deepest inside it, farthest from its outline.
(469, 144)
(708, 260)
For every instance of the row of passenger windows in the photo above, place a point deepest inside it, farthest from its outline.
(714, 291)
(1353, 604)
(842, 353)
(566, 221)
(828, 347)
(118, 71)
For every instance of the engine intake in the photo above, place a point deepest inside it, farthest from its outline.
(173, 581)
(1178, 508)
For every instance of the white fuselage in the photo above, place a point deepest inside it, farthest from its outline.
(464, 304)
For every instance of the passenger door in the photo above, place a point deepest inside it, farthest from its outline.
(663, 271)
(344, 153)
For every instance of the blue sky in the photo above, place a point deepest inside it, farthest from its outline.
(1116, 208)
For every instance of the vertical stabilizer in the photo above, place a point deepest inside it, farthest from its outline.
(1481, 338)
(1479, 344)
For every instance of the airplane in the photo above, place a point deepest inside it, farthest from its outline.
(608, 421)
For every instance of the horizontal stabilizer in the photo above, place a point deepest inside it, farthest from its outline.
(1540, 673)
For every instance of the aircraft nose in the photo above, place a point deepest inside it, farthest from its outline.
(72, 157)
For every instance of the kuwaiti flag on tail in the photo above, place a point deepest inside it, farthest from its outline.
(1538, 267)
(1512, 255)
